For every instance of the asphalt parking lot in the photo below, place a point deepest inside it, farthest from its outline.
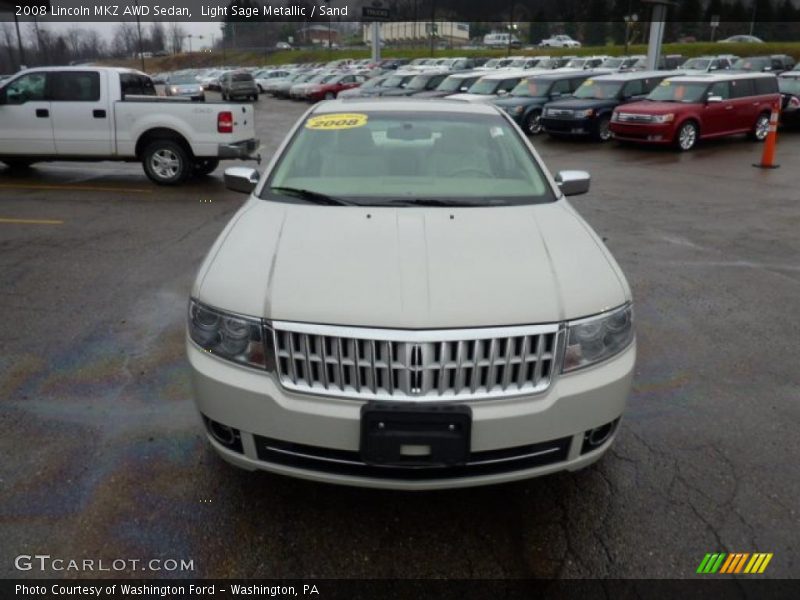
(104, 454)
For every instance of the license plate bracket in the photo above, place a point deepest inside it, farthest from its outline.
(396, 434)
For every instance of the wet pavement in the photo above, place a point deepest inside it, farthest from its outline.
(104, 455)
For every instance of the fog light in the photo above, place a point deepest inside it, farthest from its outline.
(594, 438)
(228, 437)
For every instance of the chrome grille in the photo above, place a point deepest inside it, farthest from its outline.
(624, 117)
(560, 112)
(436, 365)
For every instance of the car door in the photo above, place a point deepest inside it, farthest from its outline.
(26, 126)
(81, 120)
(719, 117)
(746, 104)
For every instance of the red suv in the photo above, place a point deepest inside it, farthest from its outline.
(331, 88)
(683, 109)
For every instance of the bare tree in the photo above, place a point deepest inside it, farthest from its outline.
(75, 37)
(126, 39)
(9, 41)
(93, 45)
(158, 37)
(175, 35)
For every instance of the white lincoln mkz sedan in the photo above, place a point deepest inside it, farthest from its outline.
(407, 300)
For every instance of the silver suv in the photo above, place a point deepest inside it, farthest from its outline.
(238, 84)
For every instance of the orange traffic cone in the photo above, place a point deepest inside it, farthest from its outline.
(768, 157)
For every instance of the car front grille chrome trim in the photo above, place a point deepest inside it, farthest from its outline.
(415, 365)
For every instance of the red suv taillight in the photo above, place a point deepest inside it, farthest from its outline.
(225, 122)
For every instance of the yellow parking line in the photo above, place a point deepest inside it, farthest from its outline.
(32, 221)
(79, 188)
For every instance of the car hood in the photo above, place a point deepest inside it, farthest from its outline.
(431, 94)
(509, 102)
(398, 92)
(473, 97)
(582, 103)
(651, 108)
(409, 267)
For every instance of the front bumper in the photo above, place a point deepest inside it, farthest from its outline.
(556, 126)
(648, 133)
(243, 149)
(317, 438)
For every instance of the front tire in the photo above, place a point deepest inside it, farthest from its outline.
(761, 128)
(166, 162)
(602, 132)
(533, 123)
(687, 136)
(205, 166)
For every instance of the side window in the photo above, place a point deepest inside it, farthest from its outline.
(136, 85)
(508, 84)
(742, 88)
(28, 88)
(766, 85)
(776, 64)
(650, 84)
(435, 81)
(633, 88)
(75, 86)
(721, 89)
(560, 87)
(574, 84)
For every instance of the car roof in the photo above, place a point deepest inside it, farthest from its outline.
(714, 77)
(565, 74)
(403, 104)
(634, 75)
(506, 74)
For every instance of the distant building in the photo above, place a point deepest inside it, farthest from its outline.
(410, 31)
(317, 35)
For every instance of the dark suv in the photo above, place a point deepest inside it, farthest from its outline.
(524, 103)
(238, 84)
(588, 112)
(776, 63)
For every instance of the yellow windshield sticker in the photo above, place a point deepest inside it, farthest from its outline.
(666, 83)
(589, 82)
(336, 121)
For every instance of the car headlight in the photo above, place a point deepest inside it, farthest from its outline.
(597, 338)
(668, 118)
(583, 114)
(174, 90)
(233, 337)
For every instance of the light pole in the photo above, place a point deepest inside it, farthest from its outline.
(630, 21)
(512, 27)
(753, 17)
(189, 35)
(139, 29)
(20, 47)
(330, 30)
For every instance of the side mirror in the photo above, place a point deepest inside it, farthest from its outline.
(241, 179)
(502, 92)
(714, 99)
(573, 183)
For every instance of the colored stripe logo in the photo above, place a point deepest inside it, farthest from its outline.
(736, 562)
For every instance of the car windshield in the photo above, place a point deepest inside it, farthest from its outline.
(531, 87)
(678, 91)
(598, 90)
(612, 63)
(408, 158)
(576, 63)
(453, 84)
(751, 64)
(242, 77)
(395, 81)
(418, 83)
(485, 86)
(697, 63)
(182, 80)
(492, 63)
(371, 83)
(789, 85)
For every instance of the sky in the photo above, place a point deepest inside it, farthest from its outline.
(106, 29)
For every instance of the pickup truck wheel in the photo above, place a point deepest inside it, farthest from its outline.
(205, 166)
(17, 164)
(166, 162)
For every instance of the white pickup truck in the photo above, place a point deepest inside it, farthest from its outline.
(106, 113)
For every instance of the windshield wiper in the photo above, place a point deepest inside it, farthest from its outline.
(312, 197)
(427, 202)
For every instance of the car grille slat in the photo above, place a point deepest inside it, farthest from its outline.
(388, 364)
